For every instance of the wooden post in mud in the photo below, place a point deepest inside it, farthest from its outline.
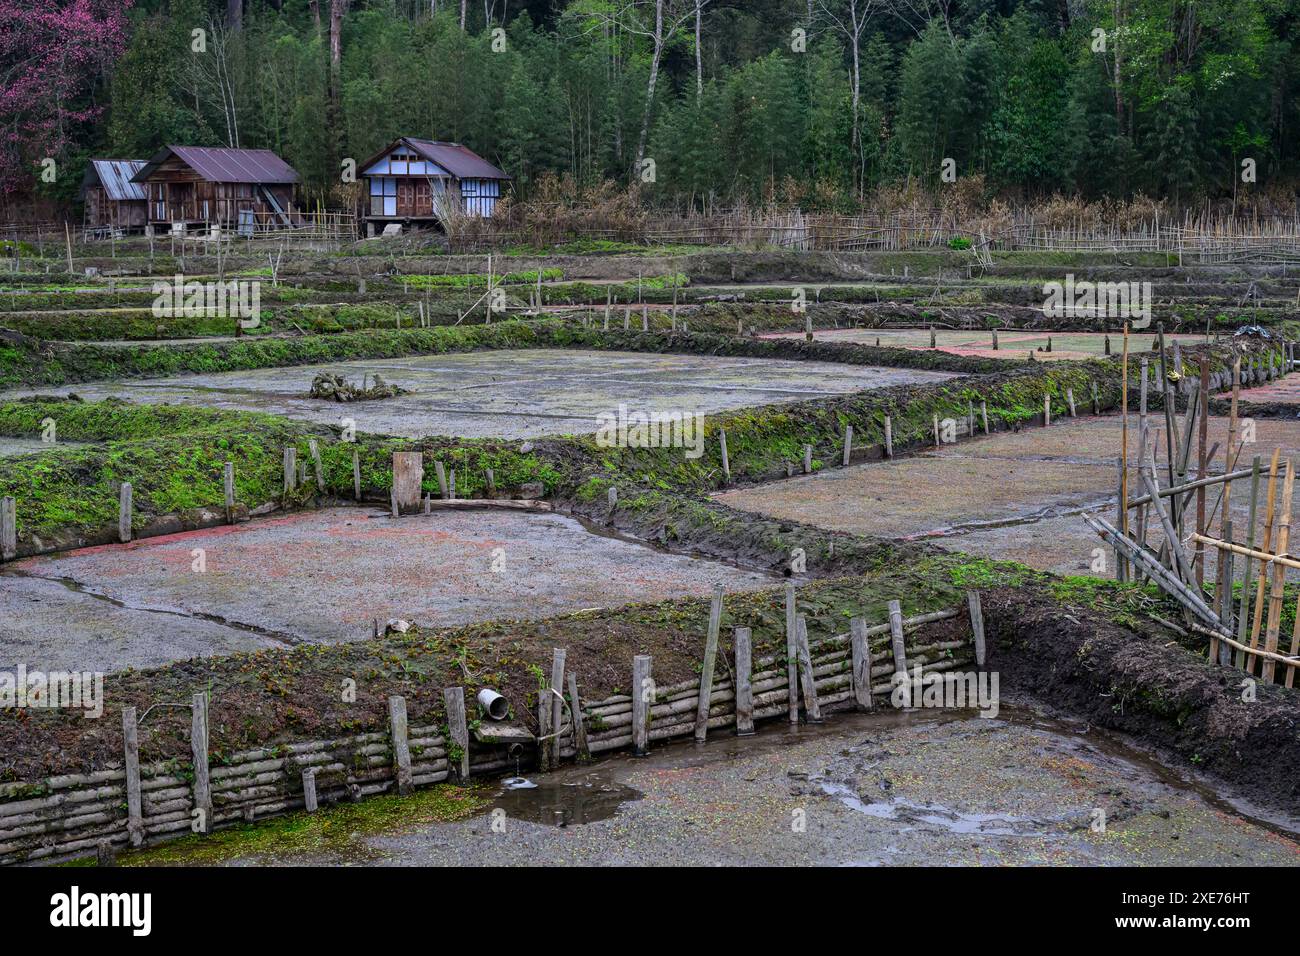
(408, 477)
(976, 626)
(199, 748)
(995, 340)
(744, 687)
(706, 668)
(936, 431)
(544, 764)
(889, 437)
(314, 450)
(441, 472)
(1069, 398)
(807, 459)
(1096, 400)
(124, 510)
(642, 696)
(896, 636)
(791, 652)
(807, 327)
(557, 702)
(1047, 409)
(228, 486)
(848, 443)
(808, 682)
(397, 729)
(726, 461)
(131, 769)
(861, 651)
(579, 727)
(356, 475)
(290, 463)
(8, 528)
(309, 802)
(627, 319)
(984, 415)
(453, 699)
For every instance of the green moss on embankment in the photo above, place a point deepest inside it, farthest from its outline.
(34, 365)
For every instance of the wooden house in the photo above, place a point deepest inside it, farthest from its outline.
(238, 189)
(422, 182)
(110, 200)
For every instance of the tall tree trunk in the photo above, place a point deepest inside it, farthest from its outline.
(650, 90)
(699, 54)
(463, 5)
(338, 9)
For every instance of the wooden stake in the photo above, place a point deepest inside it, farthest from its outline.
(896, 636)
(309, 802)
(202, 822)
(356, 475)
(726, 460)
(889, 437)
(579, 726)
(642, 697)
(557, 702)
(808, 683)
(706, 669)
(744, 689)
(124, 512)
(228, 485)
(314, 449)
(861, 651)
(131, 766)
(8, 528)
(453, 699)
(976, 625)
(401, 745)
(848, 443)
(792, 651)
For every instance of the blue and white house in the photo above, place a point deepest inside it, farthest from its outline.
(421, 182)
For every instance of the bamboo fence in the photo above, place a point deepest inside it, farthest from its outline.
(1240, 610)
(129, 804)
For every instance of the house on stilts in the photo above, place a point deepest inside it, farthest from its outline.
(423, 183)
(240, 190)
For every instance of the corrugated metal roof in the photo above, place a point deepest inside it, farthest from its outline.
(461, 161)
(220, 164)
(115, 176)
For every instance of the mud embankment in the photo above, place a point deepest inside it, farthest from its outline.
(1157, 694)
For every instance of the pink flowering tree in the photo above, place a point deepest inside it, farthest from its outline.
(52, 55)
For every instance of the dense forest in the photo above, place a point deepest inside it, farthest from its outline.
(698, 102)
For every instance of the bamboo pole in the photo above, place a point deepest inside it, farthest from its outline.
(1267, 546)
(1279, 573)
(1244, 614)
(1122, 568)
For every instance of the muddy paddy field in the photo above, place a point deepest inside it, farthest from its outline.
(305, 580)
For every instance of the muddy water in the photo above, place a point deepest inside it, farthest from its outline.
(891, 788)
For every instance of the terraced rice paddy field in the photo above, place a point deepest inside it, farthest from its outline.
(278, 544)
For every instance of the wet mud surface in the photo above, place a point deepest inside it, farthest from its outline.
(515, 393)
(1015, 495)
(891, 788)
(324, 577)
